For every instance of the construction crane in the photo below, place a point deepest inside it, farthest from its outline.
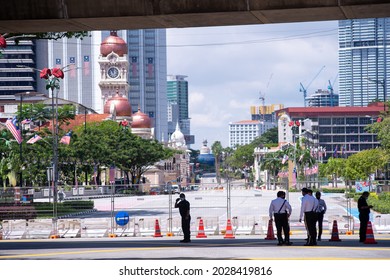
(304, 89)
(330, 88)
(262, 98)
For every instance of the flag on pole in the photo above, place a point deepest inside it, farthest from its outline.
(66, 138)
(26, 121)
(34, 139)
(13, 126)
(335, 151)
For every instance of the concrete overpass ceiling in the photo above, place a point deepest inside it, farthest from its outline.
(28, 16)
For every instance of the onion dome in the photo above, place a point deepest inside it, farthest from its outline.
(141, 120)
(177, 137)
(113, 43)
(121, 104)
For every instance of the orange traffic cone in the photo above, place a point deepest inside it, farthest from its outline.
(229, 230)
(157, 231)
(270, 231)
(335, 232)
(369, 235)
(201, 233)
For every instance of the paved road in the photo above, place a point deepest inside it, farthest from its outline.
(210, 248)
(212, 203)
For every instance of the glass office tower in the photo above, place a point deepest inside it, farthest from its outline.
(364, 66)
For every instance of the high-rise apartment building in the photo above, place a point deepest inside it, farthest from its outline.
(178, 109)
(146, 76)
(322, 98)
(364, 60)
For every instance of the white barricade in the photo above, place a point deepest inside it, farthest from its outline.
(381, 223)
(39, 228)
(14, 229)
(264, 222)
(244, 225)
(145, 226)
(69, 228)
(176, 226)
(126, 230)
(95, 227)
(344, 223)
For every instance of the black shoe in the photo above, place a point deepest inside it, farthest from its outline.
(288, 243)
(185, 241)
(280, 243)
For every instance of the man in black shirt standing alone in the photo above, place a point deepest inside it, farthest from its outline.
(184, 209)
(364, 215)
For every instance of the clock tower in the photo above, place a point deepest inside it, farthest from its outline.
(114, 66)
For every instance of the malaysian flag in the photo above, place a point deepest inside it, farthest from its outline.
(34, 139)
(150, 67)
(26, 121)
(86, 65)
(134, 61)
(13, 126)
(335, 151)
(66, 138)
(72, 66)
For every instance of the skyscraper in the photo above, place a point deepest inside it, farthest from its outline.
(177, 96)
(13, 78)
(364, 60)
(146, 76)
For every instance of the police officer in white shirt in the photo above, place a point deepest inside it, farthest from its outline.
(281, 210)
(308, 211)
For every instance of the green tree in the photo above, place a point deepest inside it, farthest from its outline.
(335, 168)
(361, 165)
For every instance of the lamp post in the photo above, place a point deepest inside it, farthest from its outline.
(295, 129)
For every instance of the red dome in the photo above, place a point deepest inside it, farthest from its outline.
(141, 120)
(122, 106)
(113, 43)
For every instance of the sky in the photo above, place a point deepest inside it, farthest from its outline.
(228, 68)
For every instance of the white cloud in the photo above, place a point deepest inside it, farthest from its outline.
(227, 68)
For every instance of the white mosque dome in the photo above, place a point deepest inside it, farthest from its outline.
(177, 138)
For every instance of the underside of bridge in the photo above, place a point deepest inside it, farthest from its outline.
(30, 16)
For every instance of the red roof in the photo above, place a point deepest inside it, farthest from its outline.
(306, 112)
(80, 120)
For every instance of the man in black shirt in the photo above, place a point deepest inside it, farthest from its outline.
(184, 210)
(364, 215)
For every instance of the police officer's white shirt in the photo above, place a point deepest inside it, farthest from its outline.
(276, 204)
(309, 204)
